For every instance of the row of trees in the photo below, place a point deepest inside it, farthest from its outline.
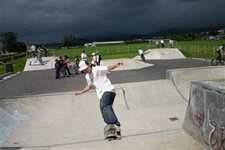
(188, 36)
(10, 43)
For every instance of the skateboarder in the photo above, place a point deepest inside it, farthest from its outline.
(141, 53)
(96, 76)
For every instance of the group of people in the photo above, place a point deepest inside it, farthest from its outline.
(161, 42)
(62, 64)
(40, 51)
(96, 58)
(162, 45)
(61, 67)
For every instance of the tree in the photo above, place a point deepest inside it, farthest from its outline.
(20, 47)
(67, 40)
(8, 40)
(213, 32)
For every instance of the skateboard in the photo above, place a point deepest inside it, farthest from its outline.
(110, 133)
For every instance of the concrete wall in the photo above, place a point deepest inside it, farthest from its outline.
(182, 78)
(205, 116)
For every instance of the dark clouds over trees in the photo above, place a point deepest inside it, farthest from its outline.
(49, 20)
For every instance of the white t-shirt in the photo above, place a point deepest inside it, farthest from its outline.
(83, 56)
(97, 58)
(33, 48)
(220, 48)
(99, 79)
(93, 60)
(140, 51)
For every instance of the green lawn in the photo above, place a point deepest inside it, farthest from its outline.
(191, 49)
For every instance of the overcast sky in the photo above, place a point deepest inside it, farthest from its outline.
(48, 20)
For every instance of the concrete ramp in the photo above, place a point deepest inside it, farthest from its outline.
(163, 53)
(182, 78)
(48, 63)
(151, 94)
(129, 64)
(54, 119)
(64, 121)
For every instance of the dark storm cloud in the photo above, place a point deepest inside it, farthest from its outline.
(48, 20)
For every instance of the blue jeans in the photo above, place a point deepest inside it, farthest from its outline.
(106, 107)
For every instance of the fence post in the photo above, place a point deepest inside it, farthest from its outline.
(198, 49)
(128, 49)
(205, 49)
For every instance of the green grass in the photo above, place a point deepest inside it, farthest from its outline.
(200, 49)
(190, 49)
(107, 52)
(18, 65)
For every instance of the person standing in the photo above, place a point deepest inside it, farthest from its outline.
(98, 59)
(83, 55)
(44, 46)
(162, 43)
(33, 49)
(220, 52)
(141, 53)
(39, 52)
(93, 62)
(96, 77)
(171, 43)
(57, 69)
(65, 65)
(61, 70)
(157, 44)
(76, 62)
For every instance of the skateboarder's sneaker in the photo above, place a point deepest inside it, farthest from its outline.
(110, 131)
(118, 130)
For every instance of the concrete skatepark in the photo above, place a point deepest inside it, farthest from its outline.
(155, 103)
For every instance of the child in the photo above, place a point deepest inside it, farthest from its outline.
(76, 64)
(57, 68)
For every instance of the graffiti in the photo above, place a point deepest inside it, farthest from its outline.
(38, 62)
(212, 126)
(168, 52)
(8, 123)
(17, 103)
(199, 118)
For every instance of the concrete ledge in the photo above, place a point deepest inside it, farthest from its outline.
(205, 116)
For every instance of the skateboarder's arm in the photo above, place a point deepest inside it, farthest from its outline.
(86, 88)
(111, 67)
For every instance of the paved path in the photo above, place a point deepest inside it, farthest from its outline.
(43, 81)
